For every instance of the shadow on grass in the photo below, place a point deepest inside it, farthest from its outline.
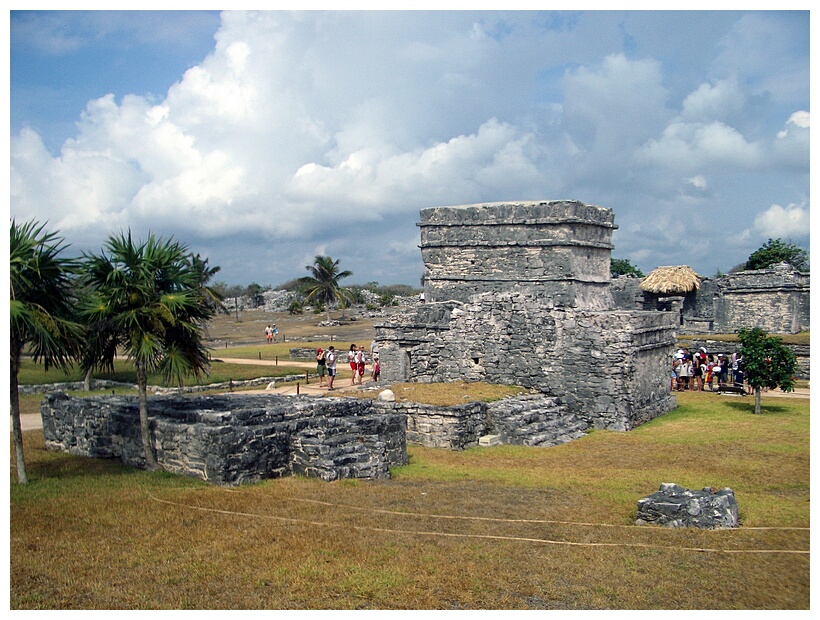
(749, 407)
(43, 464)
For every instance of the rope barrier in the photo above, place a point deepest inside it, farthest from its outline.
(478, 536)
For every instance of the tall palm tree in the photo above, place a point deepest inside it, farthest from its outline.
(147, 299)
(323, 284)
(41, 306)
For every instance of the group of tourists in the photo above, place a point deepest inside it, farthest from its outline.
(356, 359)
(697, 371)
(270, 333)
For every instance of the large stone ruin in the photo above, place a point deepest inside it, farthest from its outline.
(232, 439)
(518, 293)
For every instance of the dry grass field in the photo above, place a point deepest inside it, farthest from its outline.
(250, 328)
(487, 528)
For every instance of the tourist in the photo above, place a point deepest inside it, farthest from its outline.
(710, 367)
(737, 370)
(351, 360)
(376, 368)
(360, 364)
(268, 334)
(330, 361)
(723, 372)
(321, 366)
(677, 370)
(274, 332)
(374, 349)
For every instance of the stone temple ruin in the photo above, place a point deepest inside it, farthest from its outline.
(516, 293)
(519, 293)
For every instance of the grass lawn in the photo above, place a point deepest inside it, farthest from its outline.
(488, 528)
(220, 371)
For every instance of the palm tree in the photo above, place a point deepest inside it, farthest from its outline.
(210, 295)
(41, 307)
(148, 300)
(322, 285)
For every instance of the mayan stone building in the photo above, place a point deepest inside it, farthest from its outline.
(519, 293)
(776, 299)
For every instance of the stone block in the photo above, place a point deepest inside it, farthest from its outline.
(676, 506)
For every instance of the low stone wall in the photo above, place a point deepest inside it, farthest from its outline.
(103, 384)
(233, 439)
(303, 354)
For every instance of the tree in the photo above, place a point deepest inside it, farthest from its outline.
(622, 267)
(211, 295)
(777, 251)
(767, 362)
(254, 292)
(42, 299)
(147, 299)
(322, 286)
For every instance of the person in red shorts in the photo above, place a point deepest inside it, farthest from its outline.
(354, 367)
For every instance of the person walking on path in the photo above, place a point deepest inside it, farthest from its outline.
(330, 361)
(321, 366)
(351, 360)
(360, 363)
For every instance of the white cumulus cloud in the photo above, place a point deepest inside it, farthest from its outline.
(787, 222)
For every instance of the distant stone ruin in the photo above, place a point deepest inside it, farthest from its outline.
(518, 293)
(777, 300)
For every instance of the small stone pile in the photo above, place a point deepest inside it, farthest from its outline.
(676, 506)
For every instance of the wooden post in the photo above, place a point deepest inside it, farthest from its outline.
(297, 389)
(307, 378)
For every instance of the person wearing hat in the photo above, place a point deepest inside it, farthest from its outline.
(321, 366)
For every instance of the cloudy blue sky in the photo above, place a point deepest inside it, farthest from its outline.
(261, 139)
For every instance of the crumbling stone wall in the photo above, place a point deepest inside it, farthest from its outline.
(529, 420)
(610, 368)
(519, 293)
(562, 247)
(777, 300)
(233, 439)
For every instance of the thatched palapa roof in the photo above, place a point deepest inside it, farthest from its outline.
(671, 280)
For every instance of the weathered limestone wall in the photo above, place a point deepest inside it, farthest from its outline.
(233, 439)
(562, 247)
(530, 420)
(609, 368)
(777, 300)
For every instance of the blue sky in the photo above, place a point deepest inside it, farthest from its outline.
(262, 139)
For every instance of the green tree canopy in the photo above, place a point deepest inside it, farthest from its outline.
(778, 251)
(149, 300)
(767, 362)
(41, 307)
(622, 267)
(322, 286)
